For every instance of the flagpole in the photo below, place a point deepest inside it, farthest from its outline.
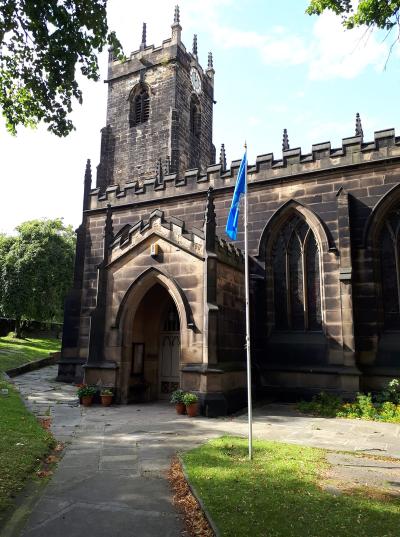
(246, 275)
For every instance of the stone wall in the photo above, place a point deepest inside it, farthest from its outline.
(131, 153)
(337, 192)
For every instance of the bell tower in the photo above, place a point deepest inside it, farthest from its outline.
(159, 113)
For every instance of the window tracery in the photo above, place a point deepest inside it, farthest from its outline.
(389, 242)
(296, 275)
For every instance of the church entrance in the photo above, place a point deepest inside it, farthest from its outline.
(170, 347)
(154, 369)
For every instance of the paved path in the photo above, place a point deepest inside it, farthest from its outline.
(111, 480)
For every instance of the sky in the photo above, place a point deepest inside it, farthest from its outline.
(276, 68)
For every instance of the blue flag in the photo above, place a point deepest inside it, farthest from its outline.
(240, 188)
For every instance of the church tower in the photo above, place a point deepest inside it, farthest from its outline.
(159, 113)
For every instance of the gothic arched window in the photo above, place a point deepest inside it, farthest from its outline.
(195, 117)
(140, 107)
(390, 270)
(297, 283)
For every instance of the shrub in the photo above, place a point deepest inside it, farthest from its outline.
(190, 398)
(322, 404)
(85, 390)
(384, 407)
(391, 393)
(177, 397)
(362, 408)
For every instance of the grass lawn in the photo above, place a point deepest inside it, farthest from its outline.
(277, 494)
(22, 441)
(15, 352)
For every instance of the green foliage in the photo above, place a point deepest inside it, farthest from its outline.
(385, 406)
(84, 390)
(190, 398)
(277, 494)
(106, 391)
(177, 396)
(42, 45)
(36, 268)
(362, 408)
(22, 444)
(383, 14)
(391, 393)
(15, 352)
(323, 404)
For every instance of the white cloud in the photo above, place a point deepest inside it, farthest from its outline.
(330, 51)
(338, 53)
(158, 14)
(253, 121)
(290, 50)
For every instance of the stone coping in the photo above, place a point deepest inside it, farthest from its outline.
(52, 359)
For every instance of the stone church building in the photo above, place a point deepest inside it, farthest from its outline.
(158, 294)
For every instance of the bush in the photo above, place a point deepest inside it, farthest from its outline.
(322, 404)
(85, 390)
(391, 393)
(177, 397)
(362, 408)
(190, 399)
(384, 407)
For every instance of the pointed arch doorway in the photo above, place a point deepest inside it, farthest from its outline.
(156, 347)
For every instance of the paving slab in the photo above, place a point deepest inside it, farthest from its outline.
(111, 479)
(353, 472)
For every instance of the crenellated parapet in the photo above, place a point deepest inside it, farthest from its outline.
(229, 254)
(151, 56)
(353, 152)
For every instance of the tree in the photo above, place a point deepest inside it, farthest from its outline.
(383, 14)
(36, 269)
(41, 46)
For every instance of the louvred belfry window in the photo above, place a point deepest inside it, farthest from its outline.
(140, 108)
(297, 282)
(390, 270)
(195, 118)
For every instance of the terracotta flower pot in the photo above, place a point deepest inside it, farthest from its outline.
(180, 408)
(87, 400)
(192, 410)
(106, 400)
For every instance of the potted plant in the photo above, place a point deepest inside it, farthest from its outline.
(177, 400)
(106, 396)
(191, 402)
(85, 394)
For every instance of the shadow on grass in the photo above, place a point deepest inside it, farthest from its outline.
(35, 343)
(15, 352)
(277, 494)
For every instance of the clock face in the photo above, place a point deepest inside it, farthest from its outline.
(196, 80)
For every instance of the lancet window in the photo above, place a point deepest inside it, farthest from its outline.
(390, 270)
(140, 107)
(297, 280)
(195, 117)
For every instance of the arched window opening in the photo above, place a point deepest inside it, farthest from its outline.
(140, 107)
(195, 117)
(280, 285)
(390, 270)
(313, 284)
(297, 282)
